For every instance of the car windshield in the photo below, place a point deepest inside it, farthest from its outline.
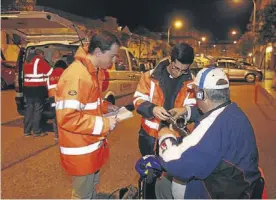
(55, 52)
(246, 64)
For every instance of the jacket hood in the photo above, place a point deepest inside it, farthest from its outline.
(81, 55)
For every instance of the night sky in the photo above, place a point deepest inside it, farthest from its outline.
(216, 17)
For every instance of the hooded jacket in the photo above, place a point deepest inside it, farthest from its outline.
(79, 108)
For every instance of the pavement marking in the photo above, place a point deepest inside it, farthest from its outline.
(28, 156)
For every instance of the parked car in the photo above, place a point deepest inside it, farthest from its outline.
(237, 71)
(195, 67)
(122, 79)
(58, 38)
(202, 60)
(7, 72)
(225, 58)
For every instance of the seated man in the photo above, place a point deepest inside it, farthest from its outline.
(219, 159)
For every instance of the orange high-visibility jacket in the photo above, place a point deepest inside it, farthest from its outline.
(82, 129)
(53, 80)
(149, 90)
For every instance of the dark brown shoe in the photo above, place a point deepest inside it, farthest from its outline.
(40, 134)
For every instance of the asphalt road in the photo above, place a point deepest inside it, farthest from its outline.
(31, 166)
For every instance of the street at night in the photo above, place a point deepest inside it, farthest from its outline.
(31, 166)
(138, 100)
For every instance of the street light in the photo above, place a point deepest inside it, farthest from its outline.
(203, 39)
(176, 24)
(234, 32)
(254, 12)
(254, 22)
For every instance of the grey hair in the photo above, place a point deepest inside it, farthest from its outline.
(218, 96)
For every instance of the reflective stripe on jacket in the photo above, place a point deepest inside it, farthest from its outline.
(79, 108)
(36, 72)
(53, 80)
(149, 90)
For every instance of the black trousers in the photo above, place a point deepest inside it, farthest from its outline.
(146, 143)
(55, 128)
(33, 114)
(146, 146)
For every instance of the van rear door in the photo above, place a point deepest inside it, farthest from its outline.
(39, 26)
(34, 28)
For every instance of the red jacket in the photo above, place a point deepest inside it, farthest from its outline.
(36, 72)
(53, 80)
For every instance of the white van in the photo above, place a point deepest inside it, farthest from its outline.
(59, 38)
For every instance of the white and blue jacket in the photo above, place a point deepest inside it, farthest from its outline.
(218, 160)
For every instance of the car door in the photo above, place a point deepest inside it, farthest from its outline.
(224, 67)
(235, 71)
(122, 81)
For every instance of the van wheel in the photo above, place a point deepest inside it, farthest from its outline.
(3, 84)
(111, 99)
(250, 78)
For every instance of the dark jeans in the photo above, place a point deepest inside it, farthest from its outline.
(146, 146)
(55, 128)
(33, 114)
(146, 143)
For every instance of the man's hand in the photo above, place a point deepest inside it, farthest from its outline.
(113, 122)
(160, 113)
(177, 112)
(112, 108)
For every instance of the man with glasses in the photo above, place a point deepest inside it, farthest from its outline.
(164, 91)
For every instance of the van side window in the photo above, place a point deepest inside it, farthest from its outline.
(221, 64)
(121, 63)
(133, 63)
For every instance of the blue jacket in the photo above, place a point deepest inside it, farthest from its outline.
(218, 160)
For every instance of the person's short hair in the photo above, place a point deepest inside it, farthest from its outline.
(182, 52)
(103, 40)
(218, 96)
(61, 64)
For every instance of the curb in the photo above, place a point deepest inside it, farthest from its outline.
(270, 97)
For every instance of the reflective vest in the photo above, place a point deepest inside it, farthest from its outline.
(36, 72)
(82, 129)
(148, 89)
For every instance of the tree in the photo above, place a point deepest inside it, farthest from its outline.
(142, 31)
(124, 37)
(25, 5)
(267, 24)
(245, 45)
(140, 42)
(145, 32)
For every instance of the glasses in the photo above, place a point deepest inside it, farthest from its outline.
(179, 70)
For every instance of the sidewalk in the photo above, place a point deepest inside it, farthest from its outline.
(266, 88)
